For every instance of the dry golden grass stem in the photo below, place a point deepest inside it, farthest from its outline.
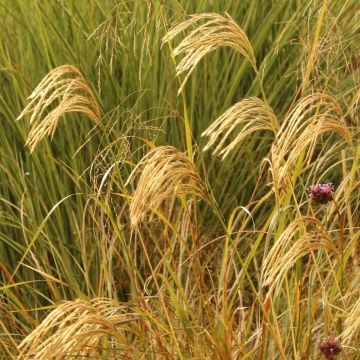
(164, 173)
(62, 91)
(216, 32)
(250, 115)
(286, 251)
(313, 116)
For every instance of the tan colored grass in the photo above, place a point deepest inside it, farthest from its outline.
(352, 325)
(248, 115)
(216, 31)
(164, 173)
(78, 329)
(354, 106)
(313, 116)
(62, 91)
(288, 248)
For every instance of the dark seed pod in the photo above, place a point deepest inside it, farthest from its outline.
(321, 193)
(330, 347)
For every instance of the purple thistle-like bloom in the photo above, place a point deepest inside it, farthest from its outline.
(330, 347)
(321, 193)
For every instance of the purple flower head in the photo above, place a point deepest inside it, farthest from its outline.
(321, 193)
(330, 347)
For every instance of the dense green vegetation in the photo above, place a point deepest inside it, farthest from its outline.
(153, 192)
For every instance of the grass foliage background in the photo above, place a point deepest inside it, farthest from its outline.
(200, 275)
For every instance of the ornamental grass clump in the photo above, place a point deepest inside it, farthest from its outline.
(127, 239)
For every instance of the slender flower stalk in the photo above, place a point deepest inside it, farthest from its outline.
(322, 194)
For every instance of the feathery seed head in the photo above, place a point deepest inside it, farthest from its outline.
(352, 323)
(313, 116)
(243, 118)
(164, 173)
(75, 329)
(289, 248)
(63, 90)
(216, 32)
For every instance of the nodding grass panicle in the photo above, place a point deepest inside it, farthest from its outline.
(216, 32)
(313, 116)
(352, 322)
(288, 249)
(63, 90)
(163, 173)
(75, 328)
(248, 115)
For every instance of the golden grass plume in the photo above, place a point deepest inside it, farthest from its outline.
(251, 114)
(285, 252)
(63, 90)
(79, 329)
(313, 116)
(216, 32)
(164, 172)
